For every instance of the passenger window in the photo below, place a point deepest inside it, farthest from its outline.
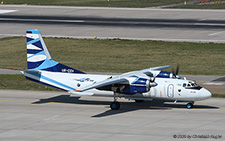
(189, 85)
(184, 85)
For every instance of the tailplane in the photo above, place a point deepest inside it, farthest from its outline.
(38, 56)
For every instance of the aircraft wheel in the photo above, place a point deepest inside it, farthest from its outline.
(189, 105)
(115, 105)
(139, 101)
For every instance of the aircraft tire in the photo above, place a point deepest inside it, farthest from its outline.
(115, 105)
(189, 105)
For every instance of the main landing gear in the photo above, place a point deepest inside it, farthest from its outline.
(190, 105)
(115, 105)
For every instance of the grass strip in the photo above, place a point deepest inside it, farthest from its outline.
(19, 82)
(115, 55)
(218, 95)
(203, 6)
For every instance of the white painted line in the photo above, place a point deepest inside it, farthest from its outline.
(210, 24)
(7, 11)
(214, 83)
(115, 8)
(216, 33)
(45, 20)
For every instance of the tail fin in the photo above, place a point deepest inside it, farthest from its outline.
(38, 57)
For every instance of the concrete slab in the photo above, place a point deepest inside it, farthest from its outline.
(37, 115)
(125, 23)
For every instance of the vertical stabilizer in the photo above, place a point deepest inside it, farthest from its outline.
(38, 56)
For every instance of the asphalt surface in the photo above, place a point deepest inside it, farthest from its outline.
(126, 23)
(38, 115)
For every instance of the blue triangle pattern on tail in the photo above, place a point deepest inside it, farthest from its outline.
(38, 56)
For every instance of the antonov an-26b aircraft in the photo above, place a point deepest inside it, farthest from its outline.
(147, 84)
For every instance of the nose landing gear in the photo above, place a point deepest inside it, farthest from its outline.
(190, 105)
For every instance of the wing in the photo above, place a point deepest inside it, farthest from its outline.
(106, 82)
(146, 73)
(159, 68)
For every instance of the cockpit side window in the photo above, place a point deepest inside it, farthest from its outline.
(191, 85)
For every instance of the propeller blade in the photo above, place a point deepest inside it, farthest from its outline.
(174, 75)
(177, 71)
(152, 79)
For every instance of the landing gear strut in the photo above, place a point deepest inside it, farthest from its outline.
(115, 105)
(190, 105)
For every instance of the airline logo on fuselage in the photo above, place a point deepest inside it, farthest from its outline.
(84, 80)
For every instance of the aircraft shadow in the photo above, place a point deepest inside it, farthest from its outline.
(125, 106)
(70, 100)
(149, 105)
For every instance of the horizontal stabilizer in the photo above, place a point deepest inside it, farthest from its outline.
(30, 71)
(80, 93)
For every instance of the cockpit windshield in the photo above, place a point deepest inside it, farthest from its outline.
(191, 85)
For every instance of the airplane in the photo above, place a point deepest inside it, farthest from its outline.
(147, 84)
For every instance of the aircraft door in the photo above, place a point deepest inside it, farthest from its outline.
(170, 90)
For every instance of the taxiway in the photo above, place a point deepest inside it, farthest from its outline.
(126, 23)
(39, 115)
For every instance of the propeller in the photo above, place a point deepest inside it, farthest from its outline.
(175, 74)
(152, 82)
(152, 79)
(177, 70)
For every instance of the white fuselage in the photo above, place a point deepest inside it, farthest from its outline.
(167, 88)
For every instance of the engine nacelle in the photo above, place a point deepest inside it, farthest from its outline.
(165, 74)
(139, 85)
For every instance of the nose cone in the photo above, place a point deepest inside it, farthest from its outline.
(205, 94)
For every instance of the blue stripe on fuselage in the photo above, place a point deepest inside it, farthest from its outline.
(51, 80)
(56, 82)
